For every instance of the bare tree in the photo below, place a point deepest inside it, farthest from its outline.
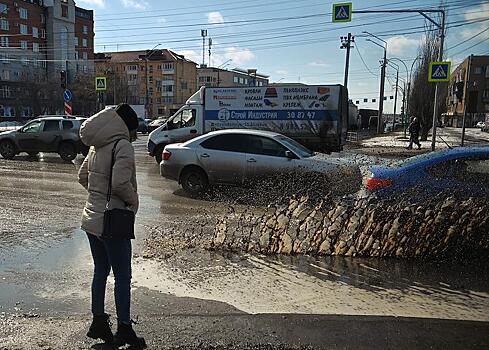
(421, 102)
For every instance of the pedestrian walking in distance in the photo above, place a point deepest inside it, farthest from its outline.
(109, 134)
(414, 128)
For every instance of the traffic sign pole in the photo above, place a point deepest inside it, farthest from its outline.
(435, 108)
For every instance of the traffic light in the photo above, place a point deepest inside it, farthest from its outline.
(62, 75)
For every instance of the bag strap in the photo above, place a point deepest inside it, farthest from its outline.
(112, 162)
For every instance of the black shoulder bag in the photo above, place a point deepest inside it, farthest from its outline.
(118, 223)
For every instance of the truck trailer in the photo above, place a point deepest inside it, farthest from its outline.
(314, 115)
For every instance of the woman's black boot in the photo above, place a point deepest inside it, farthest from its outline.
(126, 335)
(100, 329)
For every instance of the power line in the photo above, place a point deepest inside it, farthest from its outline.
(368, 69)
(466, 40)
(470, 47)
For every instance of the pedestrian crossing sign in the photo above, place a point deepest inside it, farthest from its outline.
(342, 12)
(100, 83)
(439, 72)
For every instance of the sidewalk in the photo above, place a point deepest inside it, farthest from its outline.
(394, 144)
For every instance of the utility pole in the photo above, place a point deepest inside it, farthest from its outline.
(346, 44)
(381, 101)
(466, 92)
(395, 102)
(210, 51)
(382, 79)
(440, 58)
(203, 34)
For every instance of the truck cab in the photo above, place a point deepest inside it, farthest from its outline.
(184, 125)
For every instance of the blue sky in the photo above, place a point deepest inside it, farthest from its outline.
(290, 40)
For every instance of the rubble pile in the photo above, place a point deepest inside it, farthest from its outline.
(356, 226)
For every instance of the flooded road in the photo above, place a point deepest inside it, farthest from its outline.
(45, 267)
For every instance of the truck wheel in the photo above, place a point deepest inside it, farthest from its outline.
(158, 153)
(67, 151)
(7, 149)
(194, 181)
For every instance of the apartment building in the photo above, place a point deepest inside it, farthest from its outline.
(210, 76)
(37, 41)
(468, 89)
(162, 80)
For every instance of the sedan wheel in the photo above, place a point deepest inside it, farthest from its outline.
(67, 152)
(7, 150)
(194, 182)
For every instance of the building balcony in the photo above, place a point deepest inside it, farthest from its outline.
(167, 93)
(168, 71)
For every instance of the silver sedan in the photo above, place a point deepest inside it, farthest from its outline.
(240, 156)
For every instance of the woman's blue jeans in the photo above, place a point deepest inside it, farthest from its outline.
(115, 254)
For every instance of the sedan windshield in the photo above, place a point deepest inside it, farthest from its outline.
(295, 146)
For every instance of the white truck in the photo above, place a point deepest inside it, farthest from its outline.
(314, 115)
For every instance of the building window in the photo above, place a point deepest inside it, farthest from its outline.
(158, 67)
(85, 69)
(25, 61)
(5, 91)
(64, 11)
(23, 29)
(151, 68)
(184, 85)
(85, 56)
(4, 24)
(478, 70)
(150, 90)
(168, 88)
(43, 18)
(241, 80)
(246, 81)
(35, 47)
(76, 55)
(150, 79)
(84, 42)
(133, 67)
(235, 79)
(23, 13)
(167, 66)
(23, 45)
(6, 75)
(76, 41)
(3, 8)
(167, 99)
(4, 41)
(43, 33)
(85, 30)
(35, 32)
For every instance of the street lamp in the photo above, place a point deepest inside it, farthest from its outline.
(382, 78)
(395, 96)
(146, 58)
(223, 65)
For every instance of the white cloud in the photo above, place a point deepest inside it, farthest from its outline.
(215, 17)
(399, 44)
(239, 56)
(135, 4)
(319, 63)
(476, 14)
(98, 3)
(192, 55)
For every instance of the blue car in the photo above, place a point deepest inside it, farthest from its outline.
(463, 170)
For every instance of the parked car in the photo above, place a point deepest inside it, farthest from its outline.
(155, 124)
(48, 134)
(9, 126)
(481, 125)
(240, 156)
(463, 170)
(143, 126)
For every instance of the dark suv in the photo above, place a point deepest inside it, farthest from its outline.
(55, 134)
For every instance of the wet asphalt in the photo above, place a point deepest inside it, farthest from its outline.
(192, 298)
